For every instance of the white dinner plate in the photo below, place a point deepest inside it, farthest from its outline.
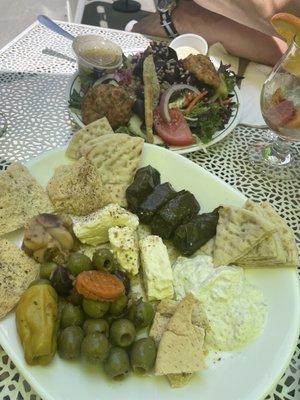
(74, 84)
(248, 374)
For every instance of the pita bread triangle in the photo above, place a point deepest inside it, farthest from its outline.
(91, 131)
(277, 250)
(269, 249)
(286, 234)
(21, 198)
(116, 157)
(238, 231)
(17, 271)
(181, 346)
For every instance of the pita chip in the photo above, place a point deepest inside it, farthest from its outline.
(167, 307)
(93, 130)
(17, 271)
(238, 231)
(159, 326)
(181, 347)
(76, 188)
(21, 198)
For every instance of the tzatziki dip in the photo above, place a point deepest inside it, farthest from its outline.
(235, 309)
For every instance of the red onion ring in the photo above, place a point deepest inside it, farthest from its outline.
(165, 98)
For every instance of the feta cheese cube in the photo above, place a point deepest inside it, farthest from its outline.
(93, 228)
(157, 272)
(124, 244)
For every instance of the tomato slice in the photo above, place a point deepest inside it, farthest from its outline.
(177, 132)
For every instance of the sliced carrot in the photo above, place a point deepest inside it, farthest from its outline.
(96, 285)
(195, 101)
(225, 102)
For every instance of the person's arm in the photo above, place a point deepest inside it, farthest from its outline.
(238, 40)
(255, 14)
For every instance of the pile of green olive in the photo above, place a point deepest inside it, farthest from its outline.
(97, 331)
(62, 277)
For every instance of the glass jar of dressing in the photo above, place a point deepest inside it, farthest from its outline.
(96, 56)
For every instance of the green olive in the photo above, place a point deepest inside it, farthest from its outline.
(118, 306)
(143, 355)
(104, 260)
(95, 347)
(71, 315)
(94, 308)
(69, 342)
(40, 281)
(117, 365)
(46, 269)
(79, 262)
(122, 332)
(141, 314)
(96, 325)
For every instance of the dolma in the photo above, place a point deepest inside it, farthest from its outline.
(191, 236)
(160, 196)
(144, 182)
(179, 210)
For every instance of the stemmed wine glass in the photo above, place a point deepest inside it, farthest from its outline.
(280, 106)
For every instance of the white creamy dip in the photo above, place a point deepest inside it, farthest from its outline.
(185, 51)
(235, 309)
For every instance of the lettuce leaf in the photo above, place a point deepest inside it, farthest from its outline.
(207, 118)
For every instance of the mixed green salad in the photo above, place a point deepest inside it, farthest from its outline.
(181, 101)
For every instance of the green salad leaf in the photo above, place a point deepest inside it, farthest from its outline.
(207, 118)
(75, 100)
(228, 77)
(134, 127)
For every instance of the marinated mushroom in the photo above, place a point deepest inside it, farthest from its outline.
(49, 237)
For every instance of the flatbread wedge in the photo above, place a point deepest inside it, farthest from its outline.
(93, 130)
(151, 94)
(21, 198)
(166, 309)
(17, 271)
(181, 347)
(271, 248)
(287, 236)
(278, 250)
(116, 157)
(238, 231)
(76, 189)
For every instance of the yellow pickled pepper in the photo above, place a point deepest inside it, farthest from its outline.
(36, 320)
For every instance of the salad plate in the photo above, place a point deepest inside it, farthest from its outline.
(74, 85)
(248, 374)
(207, 109)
